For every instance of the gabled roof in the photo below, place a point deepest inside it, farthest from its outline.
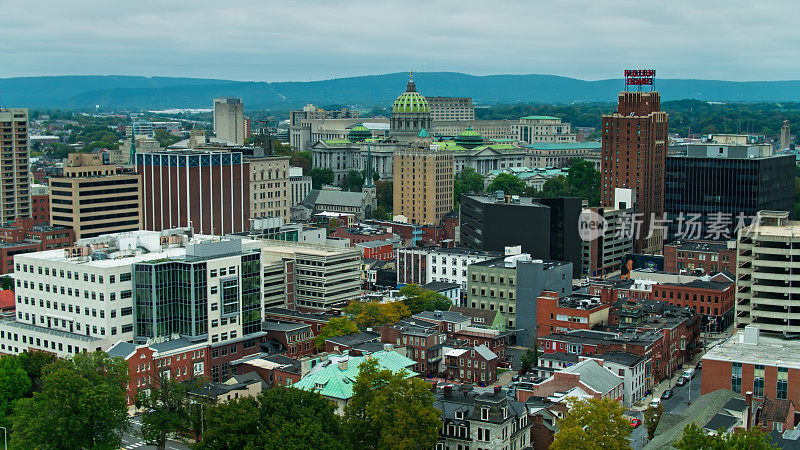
(774, 409)
(700, 412)
(485, 353)
(597, 377)
(121, 349)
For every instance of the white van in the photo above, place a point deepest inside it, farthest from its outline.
(688, 374)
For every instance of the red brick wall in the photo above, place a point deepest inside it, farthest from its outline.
(702, 301)
(547, 311)
(40, 209)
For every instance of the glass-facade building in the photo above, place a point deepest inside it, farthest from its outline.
(709, 197)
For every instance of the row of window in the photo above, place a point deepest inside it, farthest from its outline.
(46, 287)
(70, 275)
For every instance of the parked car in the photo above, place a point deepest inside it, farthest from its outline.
(635, 422)
(688, 373)
(504, 364)
(655, 402)
(681, 381)
(667, 394)
(699, 365)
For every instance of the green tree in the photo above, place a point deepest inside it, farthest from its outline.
(320, 177)
(384, 191)
(555, 187)
(165, 138)
(301, 159)
(652, 415)
(694, 438)
(337, 326)
(167, 405)
(279, 418)
(14, 384)
(418, 299)
(584, 181)
(353, 181)
(509, 184)
(6, 282)
(34, 363)
(529, 360)
(371, 314)
(81, 405)
(466, 182)
(390, 411)
(593, 423)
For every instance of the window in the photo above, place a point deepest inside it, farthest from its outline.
(783, 383)
(484, 413)
(758, 381)
(125, 277)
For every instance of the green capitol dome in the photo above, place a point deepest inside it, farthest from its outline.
(469, 138)
(359, 133)
(410, 101)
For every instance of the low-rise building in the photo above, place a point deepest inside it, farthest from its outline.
(299, 185)
(558, 314)
(421, 340)
(489, 421)
(425, 265)
(471, 365)
(632, 369)
(296, 338)
(333, 376)
(590, 376)
(710, 257)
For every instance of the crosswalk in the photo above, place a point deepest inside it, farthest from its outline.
(134, 445)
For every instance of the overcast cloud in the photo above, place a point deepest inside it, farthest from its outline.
(319, 39)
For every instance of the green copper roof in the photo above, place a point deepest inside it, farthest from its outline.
(541, 118)
(333, 381)
(358, 133)
(423, 133)
(469, 138)
(410, 101)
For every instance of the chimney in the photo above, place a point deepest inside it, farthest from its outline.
(343, 364)
(388, 347)
(498, 390)
(748, 397)
(448, 390)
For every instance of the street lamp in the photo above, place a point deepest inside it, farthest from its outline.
(5, 438)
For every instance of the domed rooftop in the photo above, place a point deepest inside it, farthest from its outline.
(469, 138)
(359, 133)
(410, 101)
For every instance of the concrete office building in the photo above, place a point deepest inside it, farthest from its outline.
(229, 120)
(634, 144)
(94, 198)
(206, 190)
(423, 182)
(324, 276)
(721, 187)
(512, 285)
(550, 228)
(535, 129)
(269, 187)
(786, 135)
(312, 120)
(15, 197)
(299, 185)
(603, 255)
(82, 298)
(767, 291)
(451, 108)
(211, 293)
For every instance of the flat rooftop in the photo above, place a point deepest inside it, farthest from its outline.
(770, 351)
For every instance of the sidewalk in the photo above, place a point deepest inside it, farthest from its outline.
(665, 384)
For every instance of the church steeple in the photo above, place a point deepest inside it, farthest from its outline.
(368, 181)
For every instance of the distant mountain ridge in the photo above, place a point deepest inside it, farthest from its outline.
(132, 92)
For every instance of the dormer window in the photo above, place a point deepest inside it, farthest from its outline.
(485, 413)
(319, 385)
(460, 415)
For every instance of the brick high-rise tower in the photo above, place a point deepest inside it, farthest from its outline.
(634, 152)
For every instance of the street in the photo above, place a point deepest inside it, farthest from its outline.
(131, 440)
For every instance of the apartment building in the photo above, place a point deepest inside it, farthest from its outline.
(423, 182)
(94, 198)
(15, 197)
(767, 290)
(688, 256)
(40, 204)
(426, 265)
(270, 189)
(229, 123)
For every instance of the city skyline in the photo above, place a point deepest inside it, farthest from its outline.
(316, 41)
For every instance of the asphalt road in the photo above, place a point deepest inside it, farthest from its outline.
(680, 394)
(132, 440)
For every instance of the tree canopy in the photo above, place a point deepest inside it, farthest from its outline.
(694, 438)
(418, 299)
(320, 177)
(509, 184)
(14, 384)
(371, 314)
(593, 423)
(390, 411)
(466, 182)
(529, 360)
(279, 418)
(167, 402)
(337, 326)
(81, 405)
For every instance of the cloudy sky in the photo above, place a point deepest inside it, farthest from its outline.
(304, 40)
